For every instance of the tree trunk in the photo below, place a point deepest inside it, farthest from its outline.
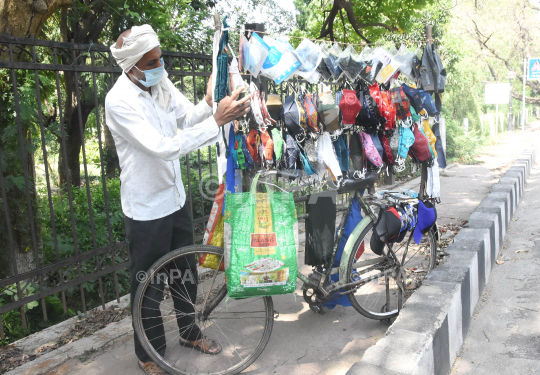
(21, 220)
(73, 140)
(27, 17)
(112, 164)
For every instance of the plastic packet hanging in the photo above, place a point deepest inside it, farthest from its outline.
(323, 68)
(388, 71)
(243, 53)
(366, 54)
(404, 57)
(309, 54)
(371, 69)
(383, 55)
(288, 63)
(274, 55)
(344, 58)
(393, 51)
(333, 55)
(330, 58)
(258, 51)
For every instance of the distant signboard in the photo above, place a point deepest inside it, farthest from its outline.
(497, 93)
(534, 69)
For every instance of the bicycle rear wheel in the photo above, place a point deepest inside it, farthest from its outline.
(241, 326)
(380, 296)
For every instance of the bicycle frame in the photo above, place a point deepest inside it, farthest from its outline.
(327, 288)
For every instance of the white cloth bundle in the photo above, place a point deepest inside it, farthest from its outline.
(141, 40)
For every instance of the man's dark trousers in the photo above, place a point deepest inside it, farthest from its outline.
(149, 241)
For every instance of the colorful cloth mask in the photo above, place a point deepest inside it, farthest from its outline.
(394, 140)
(406, 140)
(420, 147)
(430, 136)
(326, 150)
(390, 114)
(308, 168)
(247, 155)
(311, 113)
(401, 103)
(387, 152)
(256, 105)
(278, 144)
(356, 153)
(350, 107)
(252, 144)
(290, 115)
(377, 144)
(274, 105)
(291, 152)
(330, 112)
(268, 144)
(370, 151)
(342, 152)
(222, 62)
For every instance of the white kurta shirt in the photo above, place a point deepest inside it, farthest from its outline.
(149, 147)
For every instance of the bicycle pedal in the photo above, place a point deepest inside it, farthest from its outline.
(315, 278)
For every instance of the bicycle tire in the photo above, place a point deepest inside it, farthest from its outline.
(370, 305)
(197, 250)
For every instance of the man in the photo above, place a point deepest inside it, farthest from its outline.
(143, 111)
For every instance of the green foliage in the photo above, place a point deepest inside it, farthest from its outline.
(461, 147)
(395, 13)
(12, 322)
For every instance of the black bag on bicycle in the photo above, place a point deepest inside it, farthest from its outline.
(386, 229)
(320, 230)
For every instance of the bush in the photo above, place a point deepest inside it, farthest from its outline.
(461, 147)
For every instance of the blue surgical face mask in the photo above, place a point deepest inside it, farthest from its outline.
(153, 76)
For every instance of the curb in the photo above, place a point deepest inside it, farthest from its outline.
(427, 336)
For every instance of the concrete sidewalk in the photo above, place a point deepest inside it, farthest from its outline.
(504, 337)
(303, 342)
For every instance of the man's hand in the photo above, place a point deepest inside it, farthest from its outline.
(209, 94)
(229, 108)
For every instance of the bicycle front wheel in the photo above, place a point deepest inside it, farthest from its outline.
(179, 301)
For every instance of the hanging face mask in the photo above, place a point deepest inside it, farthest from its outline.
(309, 54)
(258, 52)
(288, 63)
(152, 76)
(322, 68)
(274, 55)
(244, 53)
(234, 73)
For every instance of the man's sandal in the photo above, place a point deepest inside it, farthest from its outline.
(151, 368)
(212, 346)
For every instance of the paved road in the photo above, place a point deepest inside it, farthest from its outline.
(505, 332)
(305, 343)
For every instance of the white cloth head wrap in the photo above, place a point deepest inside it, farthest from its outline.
(142, 40)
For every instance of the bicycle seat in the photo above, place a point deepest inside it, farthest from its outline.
(357, 184)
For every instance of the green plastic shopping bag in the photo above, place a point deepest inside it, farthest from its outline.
(261, 243)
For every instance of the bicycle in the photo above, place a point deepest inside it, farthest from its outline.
(375, 285)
